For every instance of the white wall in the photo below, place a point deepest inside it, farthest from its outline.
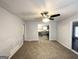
(32, 30)
(11, 32)
(64, 31)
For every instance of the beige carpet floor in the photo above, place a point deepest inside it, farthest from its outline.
(44, 49)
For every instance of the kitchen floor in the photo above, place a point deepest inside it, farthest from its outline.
(44, 37)
(43, 49)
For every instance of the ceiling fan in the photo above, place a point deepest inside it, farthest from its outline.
(49, 17)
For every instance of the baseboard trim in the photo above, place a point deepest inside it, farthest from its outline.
(31, 40)
(52, 40)
(74, 51)
(15, 50)
(68, 48)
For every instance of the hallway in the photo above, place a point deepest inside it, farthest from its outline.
(44, 49)
(39, 29)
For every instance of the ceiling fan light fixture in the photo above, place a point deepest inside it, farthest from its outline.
(45, 20)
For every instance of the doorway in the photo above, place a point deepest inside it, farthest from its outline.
(43, 32)
(75, 36)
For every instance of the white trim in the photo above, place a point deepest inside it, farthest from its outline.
(74, 51)
(68, 48)
(32, 40)
(13, 51)
(53, 40)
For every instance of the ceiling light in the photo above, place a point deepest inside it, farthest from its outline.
(45, 20)
(45, 28)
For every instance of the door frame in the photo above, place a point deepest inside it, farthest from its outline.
(73, 34)
(49, 29)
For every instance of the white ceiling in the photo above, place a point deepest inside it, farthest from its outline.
(31, 9)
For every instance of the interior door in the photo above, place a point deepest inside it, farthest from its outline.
(75, 36)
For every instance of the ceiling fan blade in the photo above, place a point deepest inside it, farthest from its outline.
(51, 18)
(55, 15)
